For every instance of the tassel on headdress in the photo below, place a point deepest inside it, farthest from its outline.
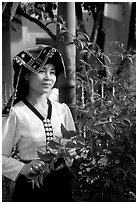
(7, 108)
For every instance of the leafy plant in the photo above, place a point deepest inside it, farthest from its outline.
(59, 154)
(106, 120)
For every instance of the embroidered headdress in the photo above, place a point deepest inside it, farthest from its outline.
(34, 60)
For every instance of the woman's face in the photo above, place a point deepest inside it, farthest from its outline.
(43, 81)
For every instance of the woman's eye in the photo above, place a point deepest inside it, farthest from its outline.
(53, 72)
(41, 71)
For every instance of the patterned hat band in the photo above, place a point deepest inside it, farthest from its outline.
(35, 58)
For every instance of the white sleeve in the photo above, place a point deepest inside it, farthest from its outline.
(69, 122)
(10, 166)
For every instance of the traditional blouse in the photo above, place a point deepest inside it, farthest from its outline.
(25, 129)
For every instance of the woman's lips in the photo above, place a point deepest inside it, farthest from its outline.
(46, 84)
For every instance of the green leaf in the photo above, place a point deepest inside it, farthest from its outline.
(132, 194)
(86, 36)
(78, 43)
(36, 182)
(51, 165)
(60, 19)
(103, 161)
(126, 121)
(123, 117)
(62, 32)
(33, 184)
(46, 170)
(123, 111)
(46, 157)
(68, 162)
(70, 144)
(79, 139)
(131, 157)
(43, 157)
(79, 145)
(92, 73)
(109, 130)
(64, 154)
(94, 128)
(52, 156)
(106, 115)
(54, 145)
(83, 53)
(40, 178)
(67, 134)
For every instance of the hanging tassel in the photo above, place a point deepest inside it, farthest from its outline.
(6, 110)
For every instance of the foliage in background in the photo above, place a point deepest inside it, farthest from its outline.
(106, 119)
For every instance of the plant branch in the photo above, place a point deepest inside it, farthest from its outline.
(39, 23)
(84, 46)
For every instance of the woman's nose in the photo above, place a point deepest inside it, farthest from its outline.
(47, 75)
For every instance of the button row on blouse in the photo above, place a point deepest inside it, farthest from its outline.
(48, 130)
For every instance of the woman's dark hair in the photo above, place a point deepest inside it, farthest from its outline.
(23, 86)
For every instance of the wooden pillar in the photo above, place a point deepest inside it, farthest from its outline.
(67, 90)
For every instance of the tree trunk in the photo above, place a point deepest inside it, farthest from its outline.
(6, 58)
(97, 23)
(132, 28)
(67, 90)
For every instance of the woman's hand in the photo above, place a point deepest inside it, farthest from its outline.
(33, 168)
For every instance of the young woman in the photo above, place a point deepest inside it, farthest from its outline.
(31, 121)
